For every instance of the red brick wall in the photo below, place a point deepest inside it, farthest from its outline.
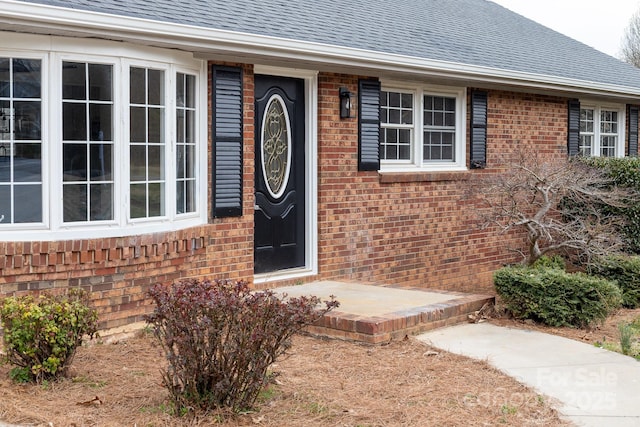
(422, 229)
(417, 230)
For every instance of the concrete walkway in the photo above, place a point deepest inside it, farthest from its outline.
(596, 387)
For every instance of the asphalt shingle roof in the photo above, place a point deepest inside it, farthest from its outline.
(473, 32)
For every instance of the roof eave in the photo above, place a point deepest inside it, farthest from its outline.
(204, 41)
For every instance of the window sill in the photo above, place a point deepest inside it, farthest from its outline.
(396, 177)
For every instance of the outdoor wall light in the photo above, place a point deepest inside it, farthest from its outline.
(345, 103)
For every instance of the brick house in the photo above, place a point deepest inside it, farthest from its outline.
(277, 142)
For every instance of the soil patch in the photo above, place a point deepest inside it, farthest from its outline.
(320, 383)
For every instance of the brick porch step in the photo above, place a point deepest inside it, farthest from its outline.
(378, 314)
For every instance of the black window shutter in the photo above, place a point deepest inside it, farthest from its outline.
(573, 131)
(369, 125)
(632, 112)
(227, 141)
(478, 154)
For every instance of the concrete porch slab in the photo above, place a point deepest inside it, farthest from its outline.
(376, 314)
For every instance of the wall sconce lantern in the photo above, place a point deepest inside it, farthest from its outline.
(345, 103)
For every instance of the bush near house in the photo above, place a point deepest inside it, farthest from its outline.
(550, 295)
(41, 334)
(220, 338)
(625, 271)
(624, 173)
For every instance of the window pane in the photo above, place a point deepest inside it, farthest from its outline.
(74, 160)
(5, 162)
(101, 122)
(586, 142)
(74, 77)
(404, 152)
(384, 97)
(407, 117)
(27, 163)
(180, 161)
(100, 82)
(27, 120)
(156, 125)
(450, 119)
(26, 78)
(138, 163)
(191, 196)
(137, 85)
(138, 199)
(5, 78)
(394, 116)
(5, 121)
(28, 203)
(101, 162)
(156, 163)
(138, 124)
(101, 202)
(74, 122)
(180, 96)
(180, 125)
(156, 87)
(5, 204)
(394, 99)
(190, 127)
(190, 90)
(156, 199)
(180, 196)
(74, 199)
(190, 161)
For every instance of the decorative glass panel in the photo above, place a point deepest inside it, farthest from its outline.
(276, 146)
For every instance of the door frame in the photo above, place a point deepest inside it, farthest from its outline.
(310, 267)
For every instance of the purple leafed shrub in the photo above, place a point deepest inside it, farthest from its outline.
(220, 338)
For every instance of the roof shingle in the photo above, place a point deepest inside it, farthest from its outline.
(473, 32)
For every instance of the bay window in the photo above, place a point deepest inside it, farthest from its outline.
(94, 146)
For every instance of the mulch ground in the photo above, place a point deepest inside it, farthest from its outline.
(320, 383)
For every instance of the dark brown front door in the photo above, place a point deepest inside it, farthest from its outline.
(280, 176)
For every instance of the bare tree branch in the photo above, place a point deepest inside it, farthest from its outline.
(558, 203)
(630, 49)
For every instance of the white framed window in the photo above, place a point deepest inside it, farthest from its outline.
(123, 151)
(422, 128)
(602, 130)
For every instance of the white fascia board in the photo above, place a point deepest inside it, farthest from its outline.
(203, 40)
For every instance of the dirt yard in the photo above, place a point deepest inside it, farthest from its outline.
(321, 383)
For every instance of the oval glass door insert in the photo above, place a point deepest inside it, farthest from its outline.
(276, 146)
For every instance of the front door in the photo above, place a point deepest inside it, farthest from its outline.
(280, 174)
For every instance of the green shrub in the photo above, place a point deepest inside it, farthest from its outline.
(555, 297)
(555, 262)
(41, 334)
(219, 338)
(625, 271)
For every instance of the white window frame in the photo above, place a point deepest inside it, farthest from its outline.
(416, 163)
(622, 119)
(53, 51)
